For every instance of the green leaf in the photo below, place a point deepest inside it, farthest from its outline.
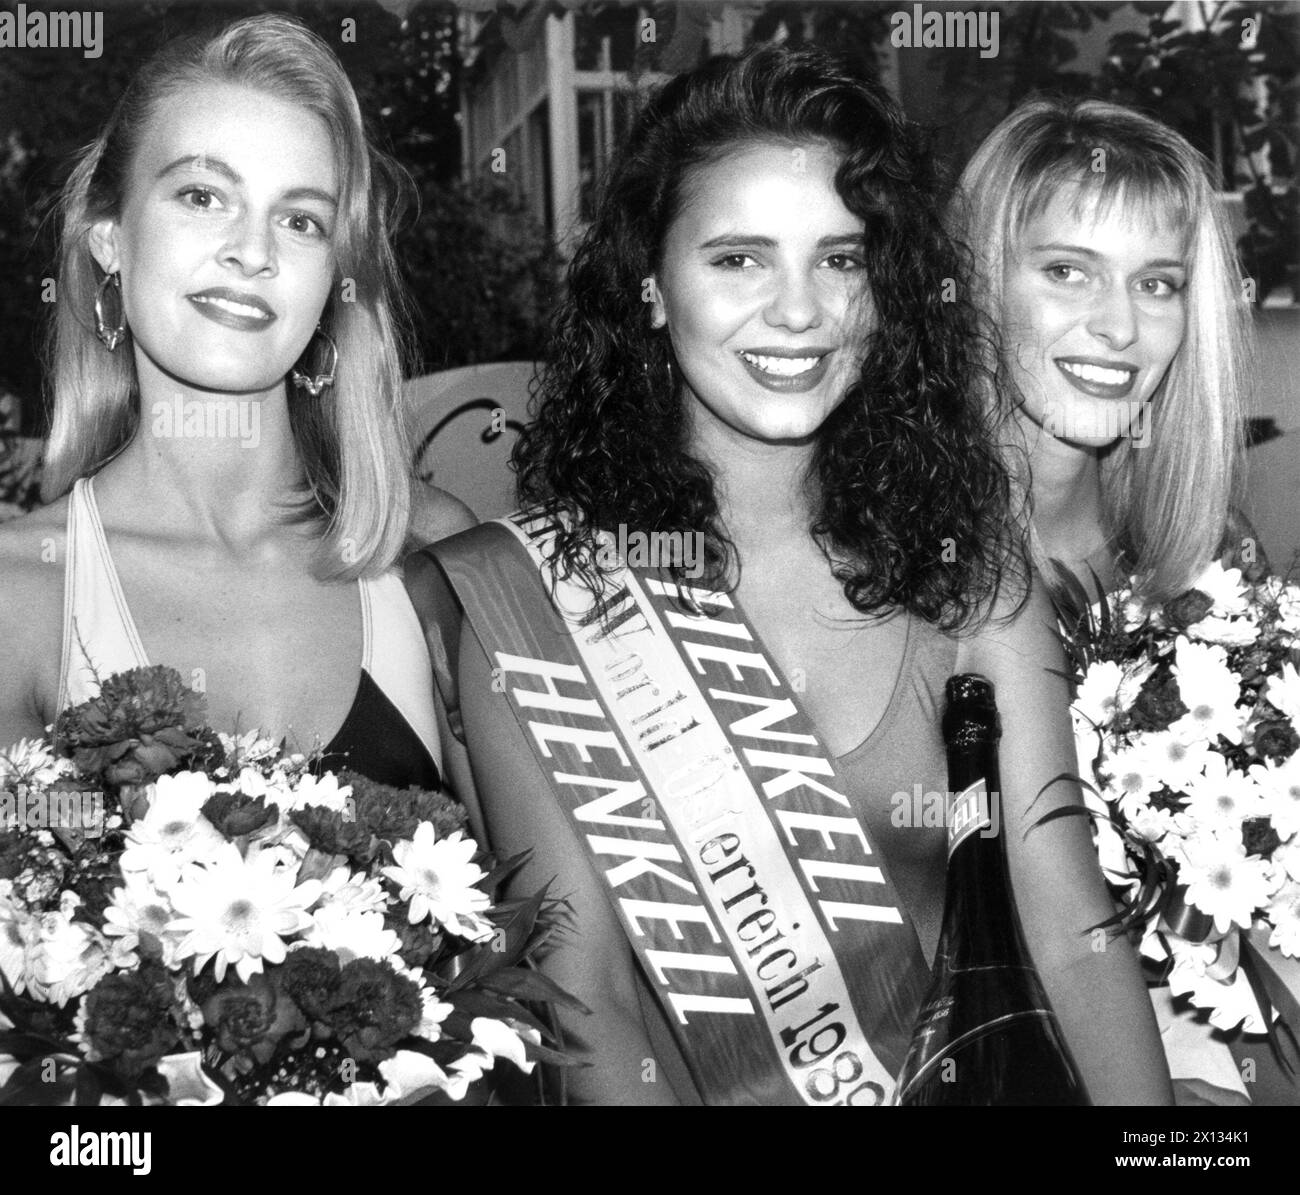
(480, 1004)
(517, 931)
(539, 1053)
(525, 984)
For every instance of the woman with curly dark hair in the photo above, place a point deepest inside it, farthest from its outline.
(700, 675)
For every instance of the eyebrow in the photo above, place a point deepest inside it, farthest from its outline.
(740, 241)
(1083, 251)
(218, 166)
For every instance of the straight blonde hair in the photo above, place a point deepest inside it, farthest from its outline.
(1168, 503)
(352, 440)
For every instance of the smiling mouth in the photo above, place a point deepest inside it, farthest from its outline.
(233, 307)
(1098, 374)
(783, 367)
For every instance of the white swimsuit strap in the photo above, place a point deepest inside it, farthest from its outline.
(397, 657)
(99, 635)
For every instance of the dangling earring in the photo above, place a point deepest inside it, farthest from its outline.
(672, 377)
(316, 385)
(110, 338)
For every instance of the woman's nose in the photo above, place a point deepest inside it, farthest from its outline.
(1113, 317)
(795, 305)
(251, 247)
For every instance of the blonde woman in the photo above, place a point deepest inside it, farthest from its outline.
(227, 478)
(1107, 267)
(1109, 270)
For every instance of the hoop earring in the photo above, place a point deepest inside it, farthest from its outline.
(318, 384)
(110, 338)
(672, 377)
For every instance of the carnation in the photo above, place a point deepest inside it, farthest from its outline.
(392, 813)
(332, 833)
(143, 723)
(126, 1019)
(1275, 739)
(1158, 704)
(251, 1018)
(1187, 608)
(310, 977)
(373, 1009)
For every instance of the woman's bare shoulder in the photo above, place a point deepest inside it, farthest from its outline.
(31, 550)
(1017, 631)
(436, 514)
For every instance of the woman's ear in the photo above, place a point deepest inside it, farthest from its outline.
(650, 294)
(102, 239)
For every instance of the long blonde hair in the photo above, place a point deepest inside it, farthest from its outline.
(352, 440)
(1167, 503)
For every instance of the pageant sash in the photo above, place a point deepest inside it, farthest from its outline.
(748, 889)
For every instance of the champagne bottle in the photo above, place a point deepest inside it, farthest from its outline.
(986, 1035)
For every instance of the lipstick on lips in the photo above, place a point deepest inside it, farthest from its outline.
(1098, 377)
(787, 370)
(233, 308)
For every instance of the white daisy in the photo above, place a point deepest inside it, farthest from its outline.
(1287, 598)
(1287, 858)
(352, 934)
(354, 891)
(1175, 759)
(250, 782)
(1284, 913)
(1228, 632)
(1224, 882)
(439, 879)
(1280, 783)
(433, 1014)
(1225, 588)
(1283, 692)
(1222, 797)
(17, 928)
(31, 762)
(138, 910)
(1209, 689)
(1154, 823)
(174, 831)
(1132, 771)
(65, 958)
(1109, 689)
(320, 790)
(239, 910)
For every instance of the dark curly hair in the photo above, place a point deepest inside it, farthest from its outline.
(911, 500)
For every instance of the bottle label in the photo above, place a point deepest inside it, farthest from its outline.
(972, 809)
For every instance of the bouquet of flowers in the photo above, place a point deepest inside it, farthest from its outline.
(1186, 716)
(195, 918)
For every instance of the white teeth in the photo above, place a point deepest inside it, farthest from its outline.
(234, 308)
(1095, 373)
(786, 367)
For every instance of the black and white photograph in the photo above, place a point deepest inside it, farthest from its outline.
(579, 552)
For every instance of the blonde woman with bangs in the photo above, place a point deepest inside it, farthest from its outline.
(1123, 351)
(1108, 270)
(227, 475)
